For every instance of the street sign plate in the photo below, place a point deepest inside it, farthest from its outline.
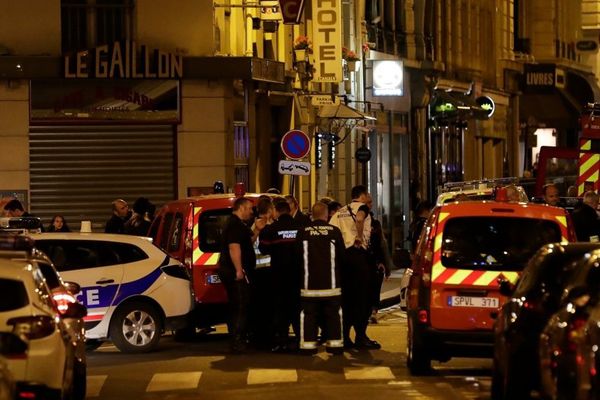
(362, 154)
(287, 167)
(295, 144)
(324, 100)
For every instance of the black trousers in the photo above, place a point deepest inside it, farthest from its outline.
(315, 310)
(356, 292)
(238, 293)
(286, 309)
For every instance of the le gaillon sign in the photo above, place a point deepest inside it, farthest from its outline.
(123, 60)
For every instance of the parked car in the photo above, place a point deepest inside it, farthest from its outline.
(10, 347)
(132, 289)
(465, 248)
(570, 342)
(523, 317)
(52, 367)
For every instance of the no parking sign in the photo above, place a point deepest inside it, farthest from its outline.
(295, 144)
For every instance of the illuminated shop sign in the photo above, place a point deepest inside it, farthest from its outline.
(388, 78)
(486, 104)
(327, 33)
(123, 60)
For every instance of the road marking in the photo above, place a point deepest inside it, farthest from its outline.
(174, 381)
(94, 385)
(257, 376)
(400, 383)
(369, 373)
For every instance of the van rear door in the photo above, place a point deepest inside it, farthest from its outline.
(470, 254)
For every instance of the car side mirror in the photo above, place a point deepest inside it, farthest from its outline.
(75, 310)
(73, 287)
(506, 287)
(11, 345)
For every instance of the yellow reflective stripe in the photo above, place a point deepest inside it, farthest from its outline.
(487, 278)
(437, 270)
(334, 343)
(437, 243)
(458, 277)
(589, 163)
(587, 145)
(308, 345)
(443, 216)
(511, 276)
(580, 188)
(562, 220)
(564, 240)
(195, 237)
(214, 258)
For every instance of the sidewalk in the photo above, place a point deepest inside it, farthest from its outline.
(390, 290)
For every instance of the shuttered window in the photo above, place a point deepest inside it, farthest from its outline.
(78, 171)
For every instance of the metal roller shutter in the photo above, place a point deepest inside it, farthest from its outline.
(78, 171)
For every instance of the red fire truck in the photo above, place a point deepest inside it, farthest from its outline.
(578, 167)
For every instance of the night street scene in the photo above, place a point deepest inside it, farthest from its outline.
(299, 199)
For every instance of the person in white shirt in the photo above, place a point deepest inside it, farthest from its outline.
(354, 221)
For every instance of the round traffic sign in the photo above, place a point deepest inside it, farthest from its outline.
(362, 154)
(295, 144)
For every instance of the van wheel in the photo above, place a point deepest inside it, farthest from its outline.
(136, 327)
(417, 358)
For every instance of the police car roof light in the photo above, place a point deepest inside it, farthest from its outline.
(501, 194)
(12, 242)
(20, 223)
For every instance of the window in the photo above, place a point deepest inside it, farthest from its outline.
(495, 243)
(12, 295)
(68, 255)
(166, 229)
(210, 230)
(50, 275)
(89, 23)
(176, 235)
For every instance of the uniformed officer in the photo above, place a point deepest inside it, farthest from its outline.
(321, 247)
(279, 240)
(236, 266)
(354, 222)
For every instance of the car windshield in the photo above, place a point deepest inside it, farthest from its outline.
(494, 243)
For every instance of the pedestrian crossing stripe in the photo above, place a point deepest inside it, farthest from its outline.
(94, 385)
(368, 373)
(161, 382)
(271, 375)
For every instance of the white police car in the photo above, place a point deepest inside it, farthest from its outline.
(133, 290)
(53, 365)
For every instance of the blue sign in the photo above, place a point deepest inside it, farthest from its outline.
(295, 144)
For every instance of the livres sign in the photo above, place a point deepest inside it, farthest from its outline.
(123, 60)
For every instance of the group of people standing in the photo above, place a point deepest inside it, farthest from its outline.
(323, 273)
(136, 222)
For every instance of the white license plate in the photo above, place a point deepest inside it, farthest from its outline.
(464, 301)
(212, 279)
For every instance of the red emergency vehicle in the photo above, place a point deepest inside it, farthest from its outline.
(573, 166)
(190, 230)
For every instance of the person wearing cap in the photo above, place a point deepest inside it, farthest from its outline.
(116, 223)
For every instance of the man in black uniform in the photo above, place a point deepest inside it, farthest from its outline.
(236, 265)
(321, 248)
(279, 240)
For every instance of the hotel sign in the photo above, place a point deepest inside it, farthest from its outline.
(123, 60)
(327, 33)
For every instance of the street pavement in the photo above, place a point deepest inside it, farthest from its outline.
(203, 369)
